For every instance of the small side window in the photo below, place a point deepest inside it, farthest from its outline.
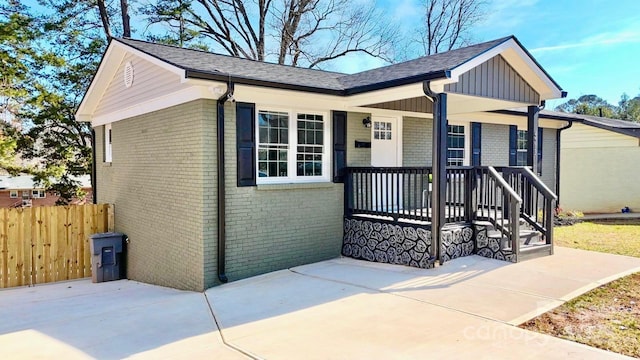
(13, 194)
(108, 138)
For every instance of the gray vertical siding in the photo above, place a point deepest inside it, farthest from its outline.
(417, 104)
(495, 78)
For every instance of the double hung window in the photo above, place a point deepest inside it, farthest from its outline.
(292, 146)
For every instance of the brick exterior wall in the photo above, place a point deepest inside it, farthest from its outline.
(495, 150)
(417, 135)
(162, 182)
(357, 131)
(272, 227)
(495, 145)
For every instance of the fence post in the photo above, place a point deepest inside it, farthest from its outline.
(110, 218)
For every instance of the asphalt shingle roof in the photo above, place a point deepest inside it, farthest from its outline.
(616, 125)
(422, 65)
(223, 65)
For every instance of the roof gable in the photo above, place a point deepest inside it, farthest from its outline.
(148, 81)
(495, 78)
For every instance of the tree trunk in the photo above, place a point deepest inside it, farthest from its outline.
(104, 16)
(126, 28)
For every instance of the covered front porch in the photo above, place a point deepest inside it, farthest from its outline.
(461, 202)
(504, 213)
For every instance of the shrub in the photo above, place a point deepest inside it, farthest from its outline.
(567, 217)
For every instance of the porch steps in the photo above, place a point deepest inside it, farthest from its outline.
(534, 251)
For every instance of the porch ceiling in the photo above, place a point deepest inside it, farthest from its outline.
(456, 104)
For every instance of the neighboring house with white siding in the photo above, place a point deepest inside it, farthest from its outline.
(600, 161)
(223, 168)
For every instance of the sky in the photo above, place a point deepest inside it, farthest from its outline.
(587, 46)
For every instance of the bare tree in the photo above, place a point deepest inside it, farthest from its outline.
(293, 32)
(447, 23)
(126, 20)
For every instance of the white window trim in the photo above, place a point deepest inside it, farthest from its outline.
(108, 146)
(38, 194)
(467, 139)
(293, 143)
(13, 194)
(518, 149)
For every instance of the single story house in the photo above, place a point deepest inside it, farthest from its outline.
(222, 168)
(596, 157)
(22, 191)
(599, 159)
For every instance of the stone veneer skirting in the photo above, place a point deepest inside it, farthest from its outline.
(457, 241)
(490, 247)
(410, 244)
(386, 242)
(402, 243)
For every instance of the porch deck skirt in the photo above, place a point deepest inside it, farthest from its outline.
(402, 243)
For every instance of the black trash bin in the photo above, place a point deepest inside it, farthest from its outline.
(107, 257)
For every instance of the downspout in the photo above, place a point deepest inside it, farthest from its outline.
(228, 95)
(94, 189)
(439, 166)
(558, 160)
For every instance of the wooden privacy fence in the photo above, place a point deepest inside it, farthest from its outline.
(49, 243)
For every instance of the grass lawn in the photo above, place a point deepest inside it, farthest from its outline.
(607, 317)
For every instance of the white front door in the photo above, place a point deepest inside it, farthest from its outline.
(385, 142)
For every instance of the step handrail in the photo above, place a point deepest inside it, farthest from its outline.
(515, 201)
(538, 184)
(504, 184)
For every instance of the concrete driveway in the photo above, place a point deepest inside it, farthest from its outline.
(337, 309)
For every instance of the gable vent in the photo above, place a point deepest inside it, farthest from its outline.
(128, 74)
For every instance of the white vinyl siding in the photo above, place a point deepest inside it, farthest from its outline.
(149, 82)
(585, 136)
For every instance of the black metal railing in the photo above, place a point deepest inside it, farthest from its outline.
(501, 196)
(389, 191)
(405, 193)
(497, 202)
(538, 201)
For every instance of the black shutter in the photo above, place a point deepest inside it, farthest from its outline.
(513, 145)
(476, 143)
(540, 151)
(246, 143)
(339, 145)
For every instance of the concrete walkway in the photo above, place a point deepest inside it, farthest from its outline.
(337, 309)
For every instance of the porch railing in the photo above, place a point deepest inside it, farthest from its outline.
(498, 203)
(405, 193)
(390, 192)
(507, 197)
(537, 205)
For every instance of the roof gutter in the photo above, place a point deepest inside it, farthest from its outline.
(203, 75)
(221, 194)
(558, 160)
